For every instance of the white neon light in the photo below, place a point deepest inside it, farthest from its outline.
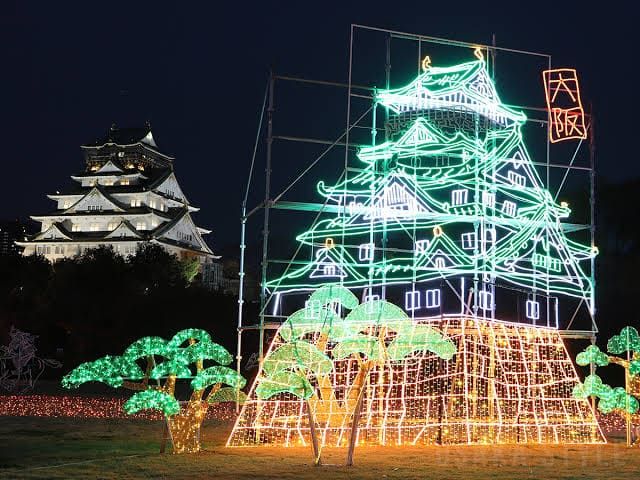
(509, 208)
(412, 300)
(485, 299)
(533, 309)
(459, 197)
(516, 179)
(488, 199)
(276, 304)
(421, 246)
(469, 240)
(439, 263)
(365, 252)
(490, 235)
(432, 298)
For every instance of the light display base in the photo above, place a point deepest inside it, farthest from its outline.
(507, 383)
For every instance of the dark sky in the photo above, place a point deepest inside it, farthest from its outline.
(197, 71)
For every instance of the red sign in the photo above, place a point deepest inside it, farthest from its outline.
(566, 115)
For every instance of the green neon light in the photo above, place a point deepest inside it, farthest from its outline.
(592, 354)
(613, 399)
(302, 365)
(182, 357)
(455, 193)
(152, 399)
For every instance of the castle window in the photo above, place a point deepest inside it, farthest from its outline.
(469, 240)
(136, 202)
(489, 199)
(412, 300)
(533, 309)
(329, 270)
(516, 179)
(432, 298)
(94, 208)
(439, 263)
(141, 226)
(486, 300)
(76, 227)
(365, 252)
(509, 208)
(124, 181)
(94, 227)
(421, 246)
(112, 225)
(459, 197)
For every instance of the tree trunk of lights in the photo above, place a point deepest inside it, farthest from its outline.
(322, 405)
(314, 436)
(354, 426)
(185, 427)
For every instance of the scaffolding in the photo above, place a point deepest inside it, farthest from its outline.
(361, 119)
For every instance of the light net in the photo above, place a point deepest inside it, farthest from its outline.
(506, 383)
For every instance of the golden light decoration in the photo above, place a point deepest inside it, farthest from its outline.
(506, 383)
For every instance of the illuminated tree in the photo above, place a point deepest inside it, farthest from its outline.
(372, 324)
(289, 367)
(373, 333)
(620, 400)
(164, 362)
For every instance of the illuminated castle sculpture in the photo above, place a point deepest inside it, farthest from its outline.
(452, 195)
(127, 195)
(449, 216)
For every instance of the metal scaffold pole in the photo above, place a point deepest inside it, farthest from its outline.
(265, 231)
(243, 246)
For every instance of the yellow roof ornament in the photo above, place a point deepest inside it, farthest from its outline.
(426, 63)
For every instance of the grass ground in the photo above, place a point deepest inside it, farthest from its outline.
(64, 448)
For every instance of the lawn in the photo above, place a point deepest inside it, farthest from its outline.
(63, 448)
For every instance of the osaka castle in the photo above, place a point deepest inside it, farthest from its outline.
(127, 195)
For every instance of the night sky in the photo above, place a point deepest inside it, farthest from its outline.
(198, 73)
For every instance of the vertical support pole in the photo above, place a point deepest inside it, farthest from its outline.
(265, 230)
(626, 389)
(343, 211)
(243, 226)
(592, 231)
(592, 204)
(387, 69)
(592, 371)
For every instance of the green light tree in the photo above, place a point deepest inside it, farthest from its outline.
(165, 362)
(372, 334)
(620, 400)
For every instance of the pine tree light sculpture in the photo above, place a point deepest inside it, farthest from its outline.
(165, 362)
(451, 200)
(623, 401)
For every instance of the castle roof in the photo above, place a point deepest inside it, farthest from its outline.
(125, 136)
